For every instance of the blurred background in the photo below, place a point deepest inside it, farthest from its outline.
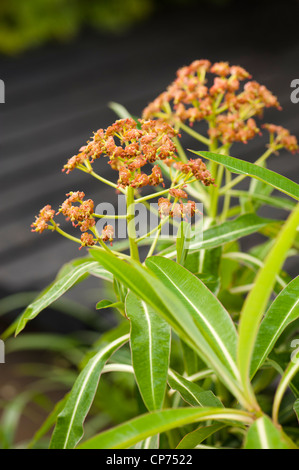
(62, 62)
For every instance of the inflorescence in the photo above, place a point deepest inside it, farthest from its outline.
(201, 91)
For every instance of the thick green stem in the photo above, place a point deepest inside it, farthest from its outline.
(131, 224)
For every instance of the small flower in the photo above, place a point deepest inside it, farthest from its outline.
(41, 221)
(178, 193)
(199, 170)
(107, 234)
(87, 240)
(164, 205)
(282, 137)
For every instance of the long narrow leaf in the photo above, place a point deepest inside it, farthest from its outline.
(150, 346)
(256, 301)
(194, 438)
(224, 233)
(242, 167)
(180, 315)
(210, 316)
(69, 427)
(135, 430)
(283, 311)
(192, 393)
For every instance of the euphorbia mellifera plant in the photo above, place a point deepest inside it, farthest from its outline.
(215, 297)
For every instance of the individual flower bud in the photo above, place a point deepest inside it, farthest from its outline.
(87, 240)
(178, 193)
(164, 206)
(107, 234)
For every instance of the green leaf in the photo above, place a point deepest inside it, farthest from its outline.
(286, 378)
(227, 232)
(109, 304)
(283, 311)
(264, 435)
(182, 242)
(241, 167)
(208, 314)
(137, 429)
(52, 293)
(257, 299)
(191, 392)
(119, 110)
(273, 201)
(180, 314)
(150, 346)
(192, 439)
(69, 427)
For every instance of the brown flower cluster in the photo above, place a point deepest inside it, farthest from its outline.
(129, 146)
(198, 169)
(80, 212)
(282, 137)
(41, 221)
(178, 210)
(214, 93)
(80, 215)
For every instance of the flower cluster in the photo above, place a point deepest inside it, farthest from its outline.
(178, 210)
(282, 137)
(41, 221)
(197, 168)
(80, 215)
(213, 92)
(130, 146)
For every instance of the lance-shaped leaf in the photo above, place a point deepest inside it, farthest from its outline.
(242, 167)
(227, 232)
(194, 438)
(262, 434)
(150, 346)
(191, 392)
(283, 311)
(53, 292)
(207, 312)
(256, 301)
(69, 427)
(137, 429)
(180, 314)
(290, 372)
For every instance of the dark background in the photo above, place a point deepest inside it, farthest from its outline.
(57, 93)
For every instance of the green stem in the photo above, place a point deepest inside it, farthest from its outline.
(100, 178)
(131, 224)
(195, 134)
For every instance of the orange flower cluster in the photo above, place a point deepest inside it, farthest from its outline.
(41, 222)
(129, 146)
(198, 169)
(282, 137)
(82, 214)
(195, 95)
(180, 210)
